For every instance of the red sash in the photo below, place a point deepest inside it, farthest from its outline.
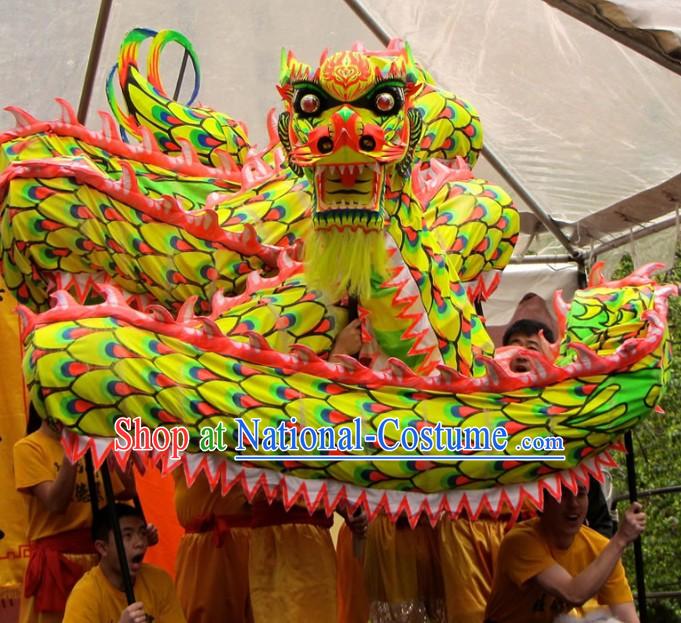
(276, 515)
(50, 576)
(219, 525)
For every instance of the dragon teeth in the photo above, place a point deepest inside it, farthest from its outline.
(356, 169)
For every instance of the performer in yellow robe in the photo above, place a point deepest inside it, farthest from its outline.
(212, 558)
(468, 551)
(292, 565)
(402, 573)
(352, 598)
(59, 521)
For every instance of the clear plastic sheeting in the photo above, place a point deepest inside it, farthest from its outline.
(517, 281)
(44, 48)
(580, 120)
(590, 128)
(659, 247)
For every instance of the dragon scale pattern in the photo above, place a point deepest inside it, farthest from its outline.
(166, 280)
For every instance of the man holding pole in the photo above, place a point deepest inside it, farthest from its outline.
(99, 596)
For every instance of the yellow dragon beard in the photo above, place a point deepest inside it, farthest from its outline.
(340, 262)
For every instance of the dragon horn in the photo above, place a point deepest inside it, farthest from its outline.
(292, 69)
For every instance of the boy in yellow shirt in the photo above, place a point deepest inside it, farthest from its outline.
(553, 563)
(59, 519)
(99, 595)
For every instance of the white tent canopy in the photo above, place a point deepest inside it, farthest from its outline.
(581, 129)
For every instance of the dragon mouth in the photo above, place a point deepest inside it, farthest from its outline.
(349, 195)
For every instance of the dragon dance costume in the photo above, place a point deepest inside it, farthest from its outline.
(166, 280)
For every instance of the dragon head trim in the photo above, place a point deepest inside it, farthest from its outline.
(348, 126)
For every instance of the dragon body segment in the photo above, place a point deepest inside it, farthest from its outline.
(180, 295)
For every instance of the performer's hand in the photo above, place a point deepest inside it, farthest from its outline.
(134, 613)
(358, 522)
(633, 524)
(71, 468)
(349, 340)
(152, 534)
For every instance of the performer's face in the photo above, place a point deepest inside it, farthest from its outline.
(134, 532)
(567, 516)
(529, 342)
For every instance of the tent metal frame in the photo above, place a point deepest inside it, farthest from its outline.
(603, 26)
(93, 59)
(574, 254)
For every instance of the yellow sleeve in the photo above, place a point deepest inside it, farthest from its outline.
(31, 465)
(523, 556)
(169, 606)
(616, 590)
(80, 606)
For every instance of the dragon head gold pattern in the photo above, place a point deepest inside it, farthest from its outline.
(348, 126)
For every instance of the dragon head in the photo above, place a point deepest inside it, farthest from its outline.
(347, 126)
(350, 126)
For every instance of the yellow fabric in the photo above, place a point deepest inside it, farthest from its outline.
(402, 573)
(37, 458)
(353, 602)
(199, 501)
(26, 612)
(95, 600)
(211, 581)
(292, 574)
(468, 551)
(524, 553)
(13, 545)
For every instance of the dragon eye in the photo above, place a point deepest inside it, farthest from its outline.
(385, 102)
(309, 103)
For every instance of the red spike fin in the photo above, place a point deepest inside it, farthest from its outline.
(450, 376)
(160, 313)
(227, 163)
(112, 294)
(257, 341)
(189, 155)
(561, 309)
(128, 179)
(400, 370)
(63, 299)
(596, 277)
(68, 115)
(186, 313)
(22, 118)
(149, 143)
(304, 353)
(110, 129)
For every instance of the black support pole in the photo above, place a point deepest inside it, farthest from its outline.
(93, 60)
(118, 537)
(638, 550)
(92, 486)
(180, 77)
